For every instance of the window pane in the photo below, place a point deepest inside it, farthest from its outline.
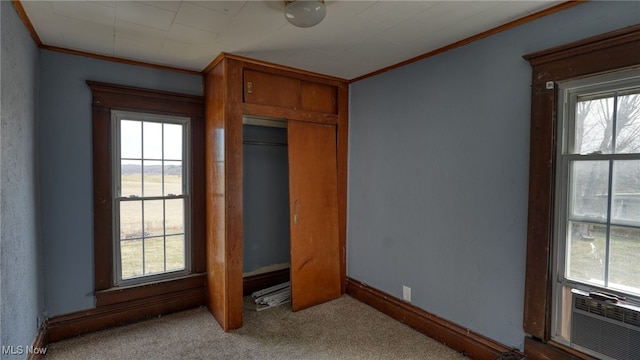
(586, 252)
(152, 178)
(589, 189)
(130, 220)
(628, 123)
(174, 216)
(131, 139)
(152, 237)
(172, 142)
(154, 255)
(593, 125)
(131, 258)
(624, 269)
(173, 177)
(130, 178)
(175, 253)
(153, 218)
(152, 140)
(626, 192)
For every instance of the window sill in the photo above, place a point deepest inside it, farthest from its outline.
(576, 353)
(122, 294)
(536, 349)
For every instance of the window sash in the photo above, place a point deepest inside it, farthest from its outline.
(616, 84)
(118, 198)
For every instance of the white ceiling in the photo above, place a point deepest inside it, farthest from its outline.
(355, 38)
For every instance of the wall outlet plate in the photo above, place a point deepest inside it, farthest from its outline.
(406, 293)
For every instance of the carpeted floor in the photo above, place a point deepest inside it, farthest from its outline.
(341, 329)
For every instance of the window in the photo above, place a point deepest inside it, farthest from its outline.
(151, 196)
(148, 198)
(598, 204)
(607, 53)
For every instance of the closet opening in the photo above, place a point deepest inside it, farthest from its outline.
(265, 204)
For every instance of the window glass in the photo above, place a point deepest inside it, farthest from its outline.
(131, 139)
(132, 258)
(586, 252)
(153, 217)
(153, 197)
(175, 252)
(173, 141)
(130, 220)
(592, 130)
(152, 184)
(628, 122)
(154, 255)
(152, 144)
(599, 231)
(174, 210)
(173, 178)
(131, 178)
(624, 272)
(626, 192)
(589, 184)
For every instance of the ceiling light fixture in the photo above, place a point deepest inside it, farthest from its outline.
(305, 13)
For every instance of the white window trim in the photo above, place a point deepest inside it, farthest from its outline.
(116, 116)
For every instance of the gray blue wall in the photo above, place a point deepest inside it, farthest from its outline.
(438, 172)
(265, 196)
(66, 168)
(21, 283)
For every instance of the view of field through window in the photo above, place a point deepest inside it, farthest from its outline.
(152, 204)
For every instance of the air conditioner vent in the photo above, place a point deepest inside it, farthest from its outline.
(614, 312)
(606, 330)
(611, 311)
(581, 303)
(632, 317)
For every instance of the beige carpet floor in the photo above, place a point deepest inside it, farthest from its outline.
(341, 329)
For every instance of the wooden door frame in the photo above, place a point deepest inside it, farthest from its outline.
(223, 134)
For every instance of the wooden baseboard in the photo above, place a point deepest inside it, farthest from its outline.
(111, 314)
(254, 283)
(99, 318)
(39, 347)
(472, 345)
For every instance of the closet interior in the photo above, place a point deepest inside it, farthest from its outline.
(265, 203)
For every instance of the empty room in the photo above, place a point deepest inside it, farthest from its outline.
(403, 179)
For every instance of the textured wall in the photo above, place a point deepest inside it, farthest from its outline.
(66, 168)
(21, 306)
(438, 172)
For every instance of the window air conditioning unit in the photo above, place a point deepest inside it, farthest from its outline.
(605, 329)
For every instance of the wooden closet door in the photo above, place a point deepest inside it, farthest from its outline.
(313, 188)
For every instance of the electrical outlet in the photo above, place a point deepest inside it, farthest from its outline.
(406, 293)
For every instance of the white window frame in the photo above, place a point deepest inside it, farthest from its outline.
(568, 93)
(116, 117)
